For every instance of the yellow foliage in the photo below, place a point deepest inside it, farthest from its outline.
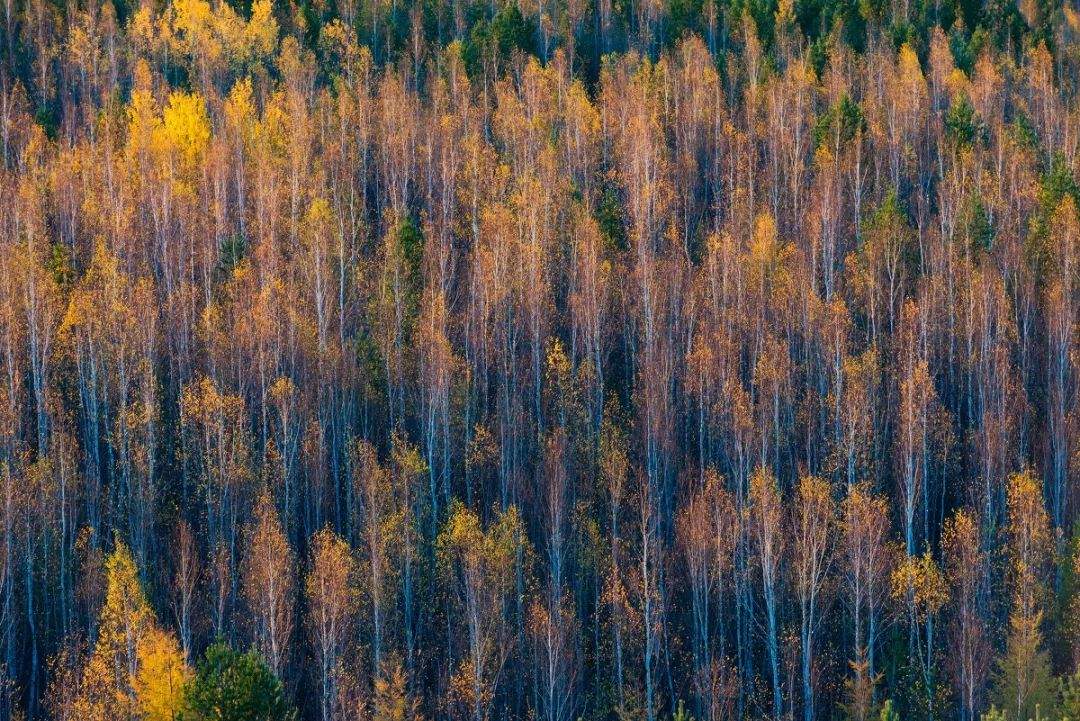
(272, 132)
(405, 458)
(95, 302)
(211, 37)
(126, 619)
(126, 615)
(98, 697)
(143, 119)
(911, 73)
(141, 29)
(282, 389)
(764, 244)
(261, 33)
(823, 157)
(189, 25)
(162, 673)
(919, 579)
(186, 126)
(391, 699)
(240, 111)
(958, 82)
(558, 363)
(319, 214)
(488, 556)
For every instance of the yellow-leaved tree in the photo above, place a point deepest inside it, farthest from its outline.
(1024, 687)
(186, 127)
(478, 567)
(136, 669)
(159, 680)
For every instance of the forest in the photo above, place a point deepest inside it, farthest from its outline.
(540, 360)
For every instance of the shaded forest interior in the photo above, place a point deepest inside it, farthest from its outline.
(613, 360)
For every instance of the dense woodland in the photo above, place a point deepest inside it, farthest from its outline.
(622, 360)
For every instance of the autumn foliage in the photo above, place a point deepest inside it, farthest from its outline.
(553, 360)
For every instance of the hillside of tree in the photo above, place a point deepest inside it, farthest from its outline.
(540, 360)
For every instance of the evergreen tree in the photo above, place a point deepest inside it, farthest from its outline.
(233, 686)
